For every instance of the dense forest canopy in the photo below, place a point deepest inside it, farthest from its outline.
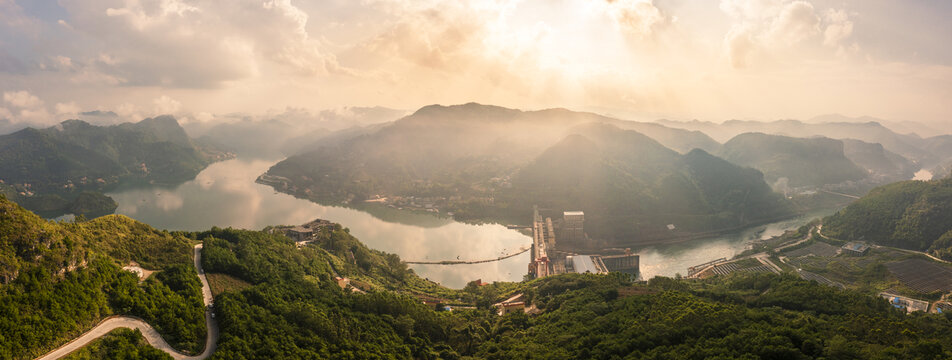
(291, 305)
(914, 215)
(59, 279)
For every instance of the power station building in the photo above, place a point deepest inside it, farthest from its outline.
(545, 260)
(573, 230)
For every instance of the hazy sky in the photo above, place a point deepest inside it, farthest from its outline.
(682, 59)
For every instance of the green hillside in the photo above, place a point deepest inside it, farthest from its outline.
(60, 279)
(629, 184)
(803, 162)
(46, 170)
(291, 306)
(294, 309)
(914, 215)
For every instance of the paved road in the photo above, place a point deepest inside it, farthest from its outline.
(152, 336)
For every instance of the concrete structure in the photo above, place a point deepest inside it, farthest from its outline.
(582, 264)
(855, 248)
(628, 263)
(545, 260)
(510, 305)
(543, 236)
(573, 226)
(906, 303)
(299, 233)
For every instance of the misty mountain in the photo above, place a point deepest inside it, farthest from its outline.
(474, 141)
(909, 146)
(291, 132)
(74, 156)
(803, 162)
(628, 184)
(899, 127)
(486, 162)
(882, 164)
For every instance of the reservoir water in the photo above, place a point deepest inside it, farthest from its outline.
(225, 195)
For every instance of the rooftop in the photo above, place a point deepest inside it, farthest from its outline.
(584, 264)
(856, 246)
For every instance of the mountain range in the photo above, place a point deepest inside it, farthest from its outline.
(927, 152)
(486, 162)
(47, 169)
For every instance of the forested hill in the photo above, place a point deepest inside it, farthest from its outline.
(628, 183)
(290, 307)
(911, 214)
(444, 145)
(46, 169)
(487, 163)
(277, 300)
(803, 162)
(57, 280)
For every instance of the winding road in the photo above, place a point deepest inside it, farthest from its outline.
(114, 322)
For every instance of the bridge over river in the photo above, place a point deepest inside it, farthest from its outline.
(459, 262)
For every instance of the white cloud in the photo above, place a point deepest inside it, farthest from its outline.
(751, 9)
(839, 27)
(198, 43)
(740, 44)
(797, 22)
(22, 99)
(63, 62)
(69, 108)
(780, 29)
(166, 105)
(129, 112)
(639, 18)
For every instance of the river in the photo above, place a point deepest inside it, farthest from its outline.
(225, 194)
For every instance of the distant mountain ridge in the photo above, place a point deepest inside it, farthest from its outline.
(803, 162)
(913, 147)
(46, 168)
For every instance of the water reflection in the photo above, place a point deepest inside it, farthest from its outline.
(669, 260)
(225, 194)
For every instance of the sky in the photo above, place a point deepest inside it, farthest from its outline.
(635, 59)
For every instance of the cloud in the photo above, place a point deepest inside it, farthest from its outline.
(797, 22)
(751, 9)
(838, 29)
(167, 105)
(22, 99)
(786, 29)
(195, 44)
(740, 44)
(68, 109)
(638, 18)
(436, 38)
